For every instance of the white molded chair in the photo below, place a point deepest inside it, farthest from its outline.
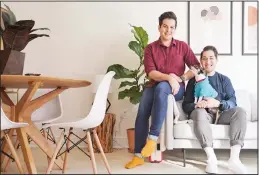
(94, 119)
(7, 124)
(49, 112)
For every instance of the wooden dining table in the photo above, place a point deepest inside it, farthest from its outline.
(22, 111)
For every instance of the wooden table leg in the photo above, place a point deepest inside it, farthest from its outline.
(26, 150)
(38, 138)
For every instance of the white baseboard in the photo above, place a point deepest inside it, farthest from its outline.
(118, 142)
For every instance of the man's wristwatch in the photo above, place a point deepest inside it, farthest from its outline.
(183, 78)
(220, 105)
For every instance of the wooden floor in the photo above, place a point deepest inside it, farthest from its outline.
(79, 163)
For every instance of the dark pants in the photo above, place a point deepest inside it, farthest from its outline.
(153, 102)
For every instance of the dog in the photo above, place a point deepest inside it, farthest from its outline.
(203, 89)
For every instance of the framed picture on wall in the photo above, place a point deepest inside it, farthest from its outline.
(249, 28)
(210, 23)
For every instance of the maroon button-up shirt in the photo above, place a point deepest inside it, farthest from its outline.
(170, 59)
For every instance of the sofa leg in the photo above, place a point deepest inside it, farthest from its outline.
(184, 164)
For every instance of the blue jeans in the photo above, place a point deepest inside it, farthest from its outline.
(153, 102)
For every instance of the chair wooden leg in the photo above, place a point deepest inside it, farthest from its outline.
(91, 150)
(102, 153)
(8, 160)
(12, 149)
(59, 144)
(67, 146)
(46, 137)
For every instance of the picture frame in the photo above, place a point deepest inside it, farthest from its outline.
(249, 28)
(210, 23)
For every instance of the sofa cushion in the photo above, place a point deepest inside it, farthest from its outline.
(183, 116)
(185, 131)
(243, 100)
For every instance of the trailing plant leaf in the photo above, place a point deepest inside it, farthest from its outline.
(7, 18)
(39, 29)
(33, 36)
(15, 37)
(4, 18)
(11, 15)
(121, 72)
(27, 23)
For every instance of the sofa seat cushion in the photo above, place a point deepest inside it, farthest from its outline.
(185, 131)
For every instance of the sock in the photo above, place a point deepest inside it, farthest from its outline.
(136, 161)
(139, 155)
(150, 146)
(234, 152)
(152, 137)
(234, 162)
(212, 161)
(210, 153)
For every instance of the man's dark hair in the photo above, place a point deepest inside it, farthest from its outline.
(169, 15)
(212, 48)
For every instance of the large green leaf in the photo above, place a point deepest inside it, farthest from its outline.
(121, 71)
(136, 47)
(141, 35)
(127, 83)
(131, 92)
(141, 74)
(136, 99)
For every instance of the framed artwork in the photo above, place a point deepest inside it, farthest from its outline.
(249, 28)
(210, 23)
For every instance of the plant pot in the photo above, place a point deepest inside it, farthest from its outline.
(131, 139)
(11, 62)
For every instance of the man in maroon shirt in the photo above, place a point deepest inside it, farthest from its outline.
(164, 62)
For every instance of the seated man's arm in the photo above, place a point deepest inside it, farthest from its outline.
(188, 102)
(150, 67)
(230, 99)
(191, 60)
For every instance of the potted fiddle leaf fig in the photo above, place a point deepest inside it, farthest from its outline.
(15, 35)
(134, 80)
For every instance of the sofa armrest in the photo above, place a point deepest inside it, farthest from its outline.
(169, 123)
(254, 107)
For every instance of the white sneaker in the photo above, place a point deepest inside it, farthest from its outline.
(237, 167)
(212, 167)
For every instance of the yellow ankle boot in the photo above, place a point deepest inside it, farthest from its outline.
(136, 161)
(149, 148)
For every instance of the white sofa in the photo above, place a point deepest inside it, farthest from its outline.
(182, 136)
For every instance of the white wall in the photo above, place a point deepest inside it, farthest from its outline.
(87, 37)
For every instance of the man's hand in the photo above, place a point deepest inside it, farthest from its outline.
(176, 77)
(174, 85)
(212, 102)
(202, 104)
